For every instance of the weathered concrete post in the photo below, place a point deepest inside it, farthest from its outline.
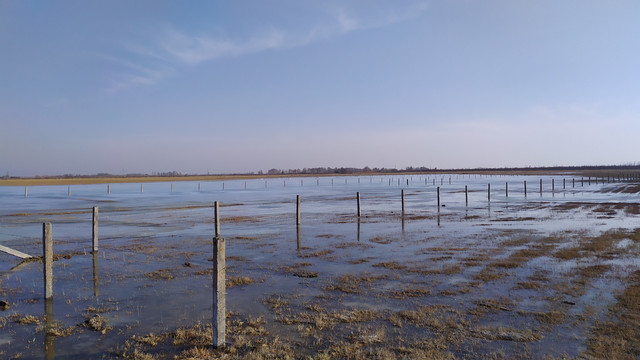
(438, 189)
(298, 209)
(25, 191)
(219, 286)
(47, 248)
(466, 195)
(358, 200)
(94, 234)
(108, 189)
(402, 196)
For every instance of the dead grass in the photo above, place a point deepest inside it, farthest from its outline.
(238, 281)
(161, 274)
(618, 337)
(352, 284)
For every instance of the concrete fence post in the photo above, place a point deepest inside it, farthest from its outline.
(94, 233)
(47, 249)
(298, 209)
(219, 286)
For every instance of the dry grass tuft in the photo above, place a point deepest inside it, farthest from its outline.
(238, 281)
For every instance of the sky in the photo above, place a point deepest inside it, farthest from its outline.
(240, 86)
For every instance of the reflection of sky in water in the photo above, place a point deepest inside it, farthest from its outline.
(159, 229)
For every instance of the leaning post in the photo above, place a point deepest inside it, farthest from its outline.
(219, 269)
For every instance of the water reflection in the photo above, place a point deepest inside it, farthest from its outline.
(358, 229)
(49, 348)
(298, 237)
(96, 280)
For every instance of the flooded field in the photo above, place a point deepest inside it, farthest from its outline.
(555, 274)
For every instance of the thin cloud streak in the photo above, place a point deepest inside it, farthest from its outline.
(177, 48)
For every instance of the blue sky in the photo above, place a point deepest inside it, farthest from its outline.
(238, 86)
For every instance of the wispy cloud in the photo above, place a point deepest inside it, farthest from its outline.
(176, 48)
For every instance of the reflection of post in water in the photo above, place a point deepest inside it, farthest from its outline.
(403, 223)
(49, 349)
(438, 219)
(358, 229)
(96, 281)
(298, 236)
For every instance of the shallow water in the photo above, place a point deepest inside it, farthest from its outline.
(141, 283)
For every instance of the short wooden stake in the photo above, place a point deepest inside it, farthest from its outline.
(564, 184)
(94, 234)
(47, 248)
(298, 209)
(573, 181)
(402, 197)
(358, 200)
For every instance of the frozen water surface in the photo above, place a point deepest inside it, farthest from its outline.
(514, 275)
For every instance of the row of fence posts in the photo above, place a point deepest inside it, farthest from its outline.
(582, 181)
(219, 264)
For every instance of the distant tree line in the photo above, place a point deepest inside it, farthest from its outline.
(354, 170)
